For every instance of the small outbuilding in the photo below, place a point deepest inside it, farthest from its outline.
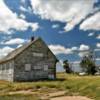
(32, 61)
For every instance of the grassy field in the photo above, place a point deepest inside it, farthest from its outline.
(73, 85)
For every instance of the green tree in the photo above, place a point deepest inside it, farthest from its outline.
(66, 66)
(88, 65)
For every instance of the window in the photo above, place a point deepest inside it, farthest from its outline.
(45, 67)
(38, 54)
(27, 67)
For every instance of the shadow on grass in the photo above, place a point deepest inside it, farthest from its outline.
(42, 80)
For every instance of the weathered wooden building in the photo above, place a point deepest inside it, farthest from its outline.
(32, 61)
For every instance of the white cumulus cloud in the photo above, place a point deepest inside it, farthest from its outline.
(23, 1)
(23, 9)
(59, 49)
(83, 50)
(98, 45)
(14, 41)
(55, 26)
(22, 16)
(10, 20)
(98, 37)
(91, 34)
(72, 12)
(74, 48)
(84, 47)
(91, 23)
(5, 50)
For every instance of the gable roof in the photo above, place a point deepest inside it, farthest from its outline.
(19, 50)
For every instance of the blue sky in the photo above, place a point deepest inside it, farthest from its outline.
(66, 26)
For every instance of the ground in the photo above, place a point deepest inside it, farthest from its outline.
(71, 98)
(65, 87)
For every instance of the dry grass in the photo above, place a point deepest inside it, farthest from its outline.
(73, 85)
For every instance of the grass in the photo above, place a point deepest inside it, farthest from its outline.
(73, 85)
(19, 97)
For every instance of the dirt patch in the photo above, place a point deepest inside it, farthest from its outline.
(52, 96)
(22, 92)
(61, 95)
(71, 98)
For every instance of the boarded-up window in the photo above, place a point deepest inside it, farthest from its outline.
(45, 67)
(27, 67)
(38, 54)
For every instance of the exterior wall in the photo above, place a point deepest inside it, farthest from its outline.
(39, 63)
(6, 71)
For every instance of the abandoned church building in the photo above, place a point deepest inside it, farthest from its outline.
(32, 61)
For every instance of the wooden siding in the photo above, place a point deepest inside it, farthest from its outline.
(34, 62)
(37, 55)
(6, 71)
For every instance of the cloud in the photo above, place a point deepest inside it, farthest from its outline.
(20, 45)
(14, 41)
(55, 26)
(4, 51)
(23, 1)
(22, 16)
(74, 48)
(82, 54)
(97, 49)
(98, 45)
(59, 49)
(84, 47)
(98, 37)
(91, 34)
(91, 23)
(34, 26)
(23, 9)
(83, 50)
(76, 62)
(97, 59)
(72, 12)
(10, 20)
(6, 37)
